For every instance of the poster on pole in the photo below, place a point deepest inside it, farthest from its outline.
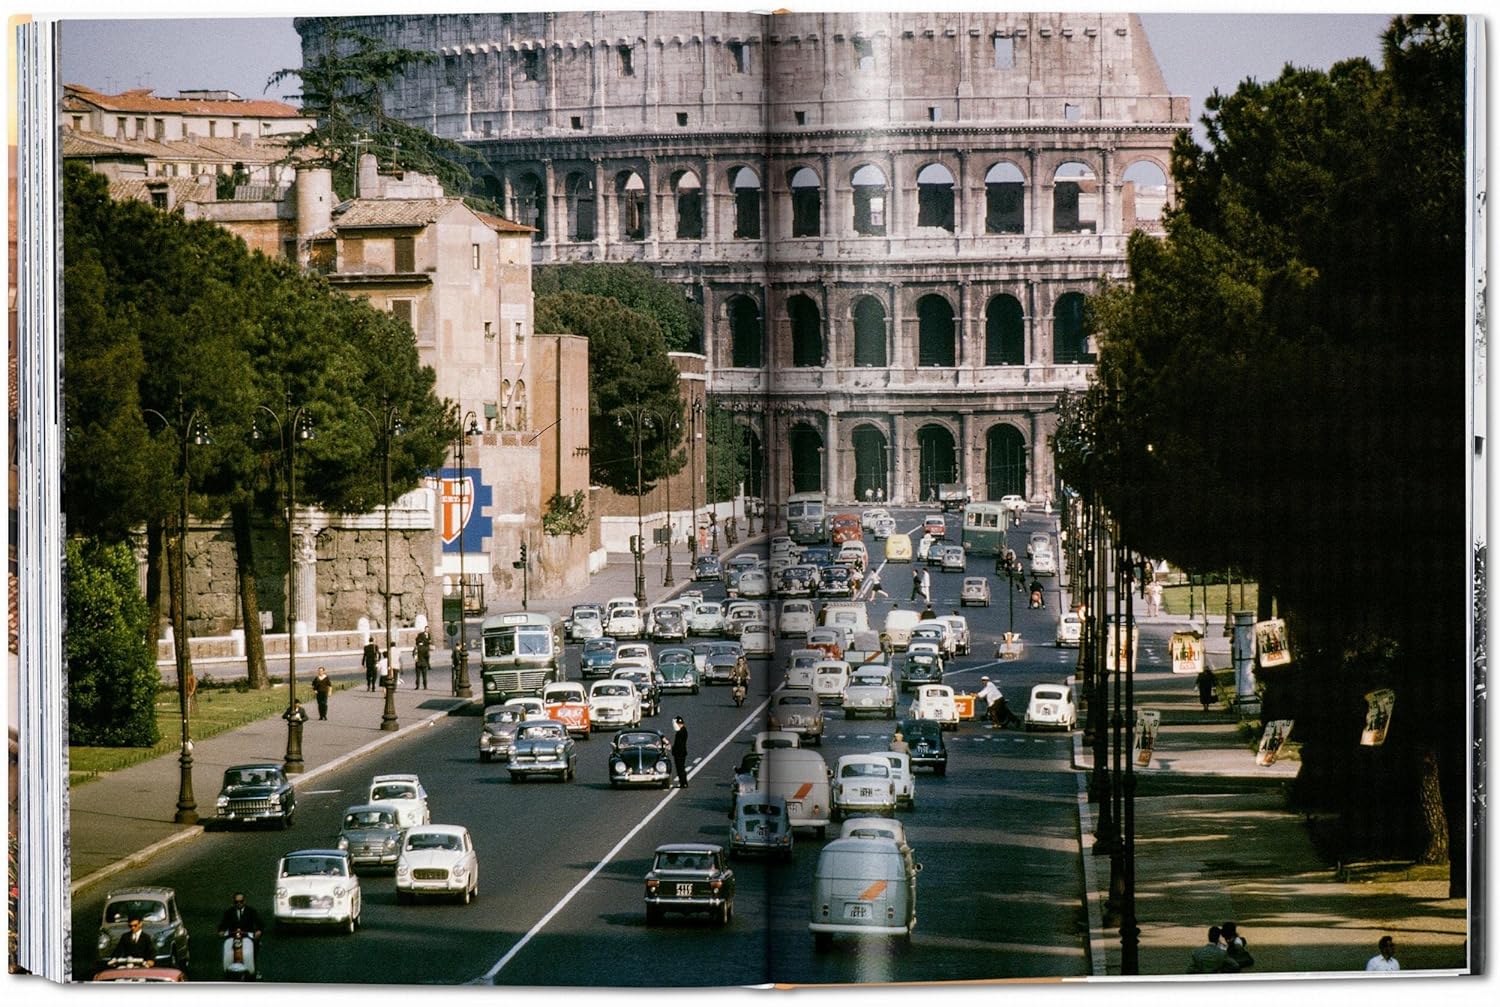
(1271, 740)
(1186, 648)
(1271, 644)
(1147, 722)
(1382, 703)
(1115, 655)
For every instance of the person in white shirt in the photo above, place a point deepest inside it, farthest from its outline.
(1386, 960)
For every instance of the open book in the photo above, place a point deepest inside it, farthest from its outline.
(711, 553)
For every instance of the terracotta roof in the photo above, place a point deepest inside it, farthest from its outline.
(392, 212)
(502, 225)
(187, 190)
(259, 150)
(143, 100)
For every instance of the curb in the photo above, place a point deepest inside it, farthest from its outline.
(1098, 957)
(140, 857)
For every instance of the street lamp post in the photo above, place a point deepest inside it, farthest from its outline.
(640, 420)
(468, 426)
(191, 430)
(667, 479)
(694, 414)
(297, 426)
(713, 482)
(388, 423)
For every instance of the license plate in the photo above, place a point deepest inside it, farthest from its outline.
(857, 910)
(866, 792)
(794, 806)
(684, 891)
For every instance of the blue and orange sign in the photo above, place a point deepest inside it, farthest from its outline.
(463, 502)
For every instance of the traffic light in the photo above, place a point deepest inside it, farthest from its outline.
(523, 552)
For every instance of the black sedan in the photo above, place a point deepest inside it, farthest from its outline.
(256, 792)
(640, 758)
(690, 878)
(924, 742)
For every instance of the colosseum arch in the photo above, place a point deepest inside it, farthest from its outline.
(807, 202)
(745, 184)
(529, 203)
(747, 336)
(936, 332)
(582, 206)
(807, 450)
(937, 459)
(1004, 462)
(870, 340)
(871, 191)
(687, 192)
(1070, 344)
(634, 207)
(1075, 199)
(1004, 332)
(1143, 194)
(807, 331)
(1004, 199)
(935, 197)
(872, 462)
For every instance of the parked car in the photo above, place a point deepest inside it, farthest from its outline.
(726, 662)
(862, 784)
(640, 756)
(925, 745)
(317, 887)
(863, 887)
(626, 623)
(1050, 706)
(371, 835)
(706, 619)
(759, 823)
(871, 689)
(951, 559)
(1069, 629)
(567, 702)
(677, 670)
(898, 548)
(256, 792)
(935, 702)
(405, 791)
(614, 702)
(647, 686)
(544, 748)
(598, 654)
(1014, 503)
(690, 878)
(708, 568)
(797, 711)
(437, 860)
(161, 920)
(586, 622)
(902, 780)
(975, 591)
(498, 735)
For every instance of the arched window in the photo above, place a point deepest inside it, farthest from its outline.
(689, 205)
(807, 459)
(1070, 343)
(807, 331)
(935, 343)
(530, 204)
(1144, 194)
(1004, 200)
(871, 464)
(1075, 199)
(746, 334)
(633, 213)
(869, 333)
(937, 460)
(935, 197)
(807, 203)
(520, 406)
(581, 207)
(1004, 332)
(869, 200)
(746, 186)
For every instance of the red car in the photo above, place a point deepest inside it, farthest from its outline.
(568, 703)
(846, 528)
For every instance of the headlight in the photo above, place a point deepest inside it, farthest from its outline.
(343, 843)
(223, 801)
(661, 766)
(275, 801)
(103, 941)
(339, 891)
(619, 766)
(281, 892)
(402, 869)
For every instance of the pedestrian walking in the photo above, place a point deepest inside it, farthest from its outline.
(898, 743)
(916, 584)
(383, 670)
(1234, 945)
(1211, 957)
(322, 688)
(1153, 599)
(1207, 683)
(876, 591)
(926, 587)
(1385, 961)
(372, 665)
(423, 658)
(397, 667)
(679, 750)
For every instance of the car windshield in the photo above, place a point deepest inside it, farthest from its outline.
(393, 792)
(149, 910)
(869, 833)
(368, 819)
(724, 650)
(249, 777)
(626, 613)
(542, 732)
(868, 680)
(612, 690)
(566, 696)
(503, 716)
(865, 769)
(638, 738)
(596, 646)
(304, 867)
(708, 609)
(588, 612)
(794, 701)
(433, 841)
(684, 861)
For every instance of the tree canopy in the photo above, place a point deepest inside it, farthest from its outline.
(635, 286)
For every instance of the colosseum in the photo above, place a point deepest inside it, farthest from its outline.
(889, 220)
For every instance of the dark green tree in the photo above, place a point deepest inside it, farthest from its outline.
(112, 677)
(636, 287)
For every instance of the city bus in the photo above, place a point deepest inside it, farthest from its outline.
(522, 652)
(984, 529)
(807, 518)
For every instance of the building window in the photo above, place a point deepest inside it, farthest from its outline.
(682, 118)
(869, 187)
(120, 127)
(935, 197)
(869, 333)
(807, 203)
(474, 255)
(1075, 199)
(934, 114)
(801, 117)
(1072, 113)
(1070, 340)
(627, 60)
(746, 335)
(689, 192)
(935, 332)
(580, 190)
(1004, 200)
(489, 127)
(531, 64)
(864, 54)
(140, 128)
(161, 129)
(159, 198)
(289, 249)
(1004, 332)
(406, 255)
(576, 122)
(401, 308)
(78, 123)
(632, 196)
(746, 185)
(807, 331)
(213, 129)
(234, 129)
(1005, 53)
(740, 57)
(491, 416)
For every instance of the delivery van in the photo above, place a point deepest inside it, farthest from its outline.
(801, 778)
(863, 887)
(899, 623)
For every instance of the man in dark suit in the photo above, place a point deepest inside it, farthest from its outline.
(371, 656)
(241, 917)
(136, 943)
(679, 751)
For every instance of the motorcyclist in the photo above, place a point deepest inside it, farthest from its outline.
(1036, 593)
(240, 917)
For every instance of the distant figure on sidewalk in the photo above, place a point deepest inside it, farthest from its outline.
(679, 750)
(1212, 957)
(423, 658)
(322, 687)
(1234, 945)
(1153, 599)
(372, 665)
(1206, 685)
(460, 657)
(1385, 961)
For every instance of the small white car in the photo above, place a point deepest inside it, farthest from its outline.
(862, 784)
(755, 584)
(939, 632)
(1051, 706)
(625, 623)
(437, 860)
(975, 591)
(902, 778)
(614, 702)
(758, 640)
(586, 622)
(1038, 541)
(797, 618)
(953, 558)
(764, 741)
(404, 791)
(963, 643)
(635, 653)
(706, 619)
(1042, 561)
(935, 702)
(317, 887)
(1014, 503)
(883, 528)
(1069, 630)
(829, 680)
(870, 515)
(871, 689)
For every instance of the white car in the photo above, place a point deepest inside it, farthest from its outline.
(1042, 561)
(586, 622)
(706, 619)
(635, 653)
(797, 618)
(862, 784)
(317, 887)
(1014, 503)
(621, 601)
(614, 702)
(939, 632)
(1038, 541)
(764, 741)
(829, 680)
(963, 643)
(531, 707)
(1051, 706)
(902, 778)
(871, 689)
(437, 860)
(755, 584)
(625, 623)
(883, 528)
(404, 791)
(935, 702)
(870, 515)
(758, 640)
(1069, 630)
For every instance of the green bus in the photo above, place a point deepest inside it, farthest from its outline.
(984, 529)
(807, 518)
(523, 651)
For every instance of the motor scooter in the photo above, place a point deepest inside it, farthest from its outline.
(737, 693)
(239, 956)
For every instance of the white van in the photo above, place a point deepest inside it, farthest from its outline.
(899, 623)
(853, 614)
(801, 778)
(863, 887)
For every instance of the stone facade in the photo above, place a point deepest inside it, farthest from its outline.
(890, 220)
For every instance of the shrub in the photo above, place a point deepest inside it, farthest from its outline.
(112, 679)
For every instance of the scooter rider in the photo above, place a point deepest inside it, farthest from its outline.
(1036, 593)
(240, 927)
(242, 917)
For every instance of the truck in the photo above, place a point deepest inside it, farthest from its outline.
(953, 496)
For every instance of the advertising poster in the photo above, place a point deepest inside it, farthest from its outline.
(1186, 649)
(1378, 716)
(1147, 722)
(1115, 656)
(1271, 740)
(1270, 643)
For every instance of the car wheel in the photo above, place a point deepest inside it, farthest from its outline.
(350, 925)
(484, 756)
(468, 896)
(942, 770)
(653, 916)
